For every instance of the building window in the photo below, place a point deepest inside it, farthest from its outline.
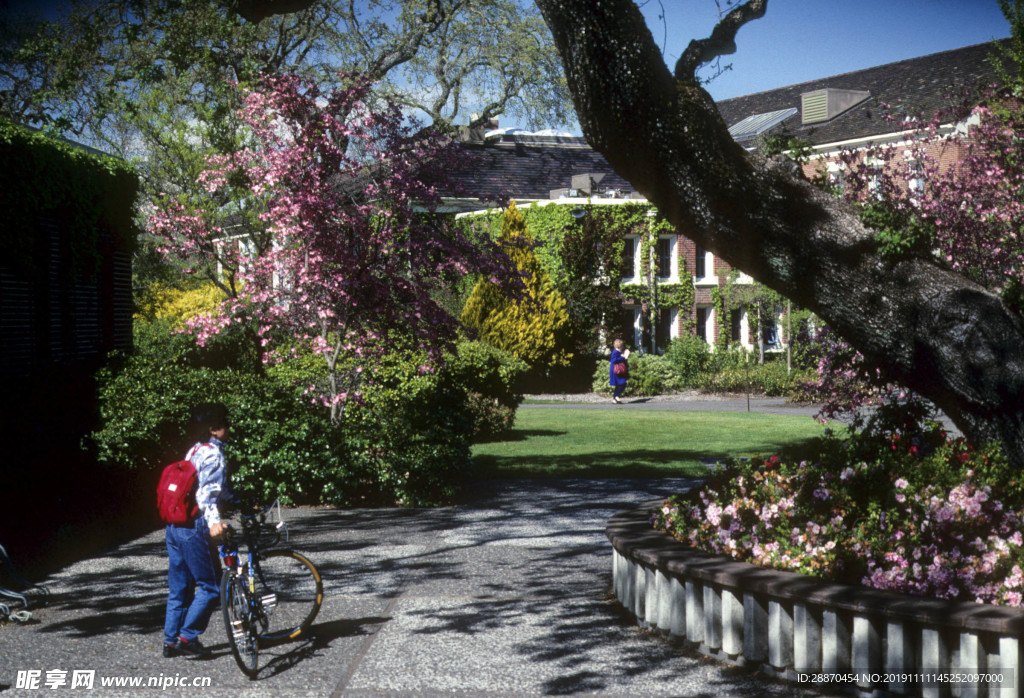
(629, 258)
(704, 323)
(665, 331)
(836, 177)
(770, 332)
(664, 259)
(736, 323)
(704, 265)
(915, 182)
(628, 326)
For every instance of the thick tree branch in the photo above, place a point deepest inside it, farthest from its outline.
(259, 10)
(932, 330)
(722, 40)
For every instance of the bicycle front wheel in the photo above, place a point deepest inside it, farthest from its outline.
(241, 623)
(293, 592)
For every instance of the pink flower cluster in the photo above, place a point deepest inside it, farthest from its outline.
(964, 544)
(887, 524)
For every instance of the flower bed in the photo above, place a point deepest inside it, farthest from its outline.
(906, 510)
(791, 626)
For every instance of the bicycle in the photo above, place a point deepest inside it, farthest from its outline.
(268, 594)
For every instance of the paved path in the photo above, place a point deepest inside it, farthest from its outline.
(763, 405)
(506, 594)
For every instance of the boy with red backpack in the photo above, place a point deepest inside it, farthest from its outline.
(193, 567)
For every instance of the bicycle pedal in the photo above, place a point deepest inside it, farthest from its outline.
(269, 601)
(236, 629)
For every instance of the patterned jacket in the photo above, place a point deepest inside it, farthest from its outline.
(213, 489)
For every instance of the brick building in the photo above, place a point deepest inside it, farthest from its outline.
(831, 114)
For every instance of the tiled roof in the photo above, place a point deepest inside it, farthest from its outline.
(529, 167)
(917, 85)
(525, 167)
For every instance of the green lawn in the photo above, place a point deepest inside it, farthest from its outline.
(611, 443)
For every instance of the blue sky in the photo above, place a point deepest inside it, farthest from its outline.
(800, 40)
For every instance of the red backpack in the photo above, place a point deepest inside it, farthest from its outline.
(176, 493)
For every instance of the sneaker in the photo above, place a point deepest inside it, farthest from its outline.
(171, 650)
(192, 648)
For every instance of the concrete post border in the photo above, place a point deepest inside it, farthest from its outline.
(867, 642)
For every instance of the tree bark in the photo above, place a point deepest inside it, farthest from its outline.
(934, 331)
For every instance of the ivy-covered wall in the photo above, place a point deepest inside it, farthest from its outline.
(69, 233)
(582, 248)
(65, 303)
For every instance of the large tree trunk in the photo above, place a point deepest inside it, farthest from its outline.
(939, 334)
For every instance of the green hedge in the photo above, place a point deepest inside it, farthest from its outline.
(492, 382)
(405, 440)
(87, 192)
(649, 374)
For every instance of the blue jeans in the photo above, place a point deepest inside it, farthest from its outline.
(192, 578)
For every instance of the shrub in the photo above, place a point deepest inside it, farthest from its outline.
(477, 367)
(404, 441)
(178, 305)
(649, 374)
(490, 418)
(232, 349)
(280, 448)
(689, 357)
(770, 378)
(536, 328)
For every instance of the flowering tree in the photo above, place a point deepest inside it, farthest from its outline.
(955, 194)
(332, 246)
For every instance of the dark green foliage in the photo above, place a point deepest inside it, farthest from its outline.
(690, 356)
(43, 176)
(899, 234)
(405, 440)
(232, 349)
(591, 266)
(280, 447)
(491, 380)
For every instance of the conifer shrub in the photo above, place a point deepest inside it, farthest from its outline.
(534, 327)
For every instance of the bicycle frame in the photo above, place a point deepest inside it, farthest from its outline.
(256, 614)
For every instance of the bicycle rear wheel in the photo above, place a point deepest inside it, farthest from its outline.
(292, 593)
(240, 623)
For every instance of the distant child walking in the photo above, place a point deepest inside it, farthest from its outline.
(618, 370)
